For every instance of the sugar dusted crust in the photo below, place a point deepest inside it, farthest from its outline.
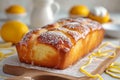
(56, 39)
(61, 44)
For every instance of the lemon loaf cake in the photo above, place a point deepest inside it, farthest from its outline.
(61, 44)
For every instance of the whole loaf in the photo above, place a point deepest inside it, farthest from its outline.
(61, 44)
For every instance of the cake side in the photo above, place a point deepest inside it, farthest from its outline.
(82, 48)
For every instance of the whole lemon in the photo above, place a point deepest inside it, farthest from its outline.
(16, 9)
(80, 10)
(13, 31)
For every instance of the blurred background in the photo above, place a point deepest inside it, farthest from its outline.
(111, 5)
(65, 5)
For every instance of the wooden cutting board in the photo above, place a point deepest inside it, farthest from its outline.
(22, 73)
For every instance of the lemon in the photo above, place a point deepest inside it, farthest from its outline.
(13, 31)
(17, 9)
(80, 10)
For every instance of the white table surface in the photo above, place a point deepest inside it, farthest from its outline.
(115, 18)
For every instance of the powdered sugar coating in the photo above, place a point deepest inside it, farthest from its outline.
(72, 25)
(57, 39)
(74, 34)
(81, 28)
(93, 25)
(29, 34)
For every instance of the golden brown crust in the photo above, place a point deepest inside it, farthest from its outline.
(61, 44)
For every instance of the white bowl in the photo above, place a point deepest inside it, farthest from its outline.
(112, 29)
(16, 16)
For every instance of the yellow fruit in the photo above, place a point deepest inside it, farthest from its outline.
(16, 9)
(79, 10)
(13, 31)
(99, 18)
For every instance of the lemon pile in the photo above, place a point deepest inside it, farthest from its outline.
(13, 31)
(15, 9)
